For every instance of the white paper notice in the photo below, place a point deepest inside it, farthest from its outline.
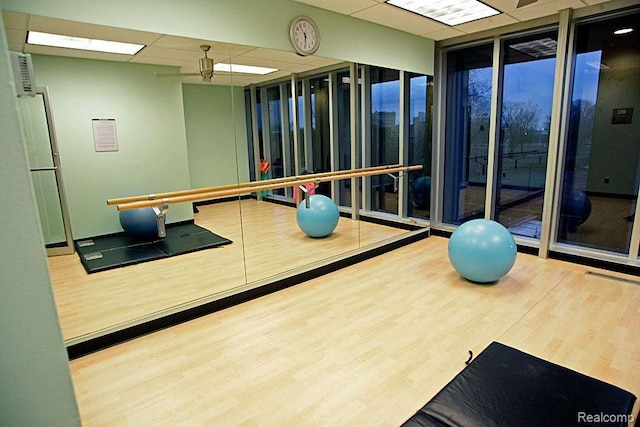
(105, 137)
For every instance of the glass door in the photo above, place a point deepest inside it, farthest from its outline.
(44, 161)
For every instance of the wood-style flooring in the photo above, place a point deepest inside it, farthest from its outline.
(367, 345)
(266, 242)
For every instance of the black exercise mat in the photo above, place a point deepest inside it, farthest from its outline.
(118, 250)
(503, 386)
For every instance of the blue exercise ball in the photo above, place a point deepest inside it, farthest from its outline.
(422, 192)
(482, 250)
(320, 218)
(140, 222)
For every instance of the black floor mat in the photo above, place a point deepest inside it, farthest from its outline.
(117, 250)
(504, 386)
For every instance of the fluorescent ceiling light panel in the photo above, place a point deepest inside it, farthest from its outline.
(246, 69)
(450, 12)
(56, 40)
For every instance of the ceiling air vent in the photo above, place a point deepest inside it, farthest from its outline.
(23, 74)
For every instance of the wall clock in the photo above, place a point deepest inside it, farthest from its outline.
(305, 35)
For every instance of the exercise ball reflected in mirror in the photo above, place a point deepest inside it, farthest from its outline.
(320, 218)
(141, 222)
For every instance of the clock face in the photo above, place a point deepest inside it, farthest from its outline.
(305, 36)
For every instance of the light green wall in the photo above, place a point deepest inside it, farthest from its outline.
(152, 155)
(215, 149)
(35, 383)
(258, 23)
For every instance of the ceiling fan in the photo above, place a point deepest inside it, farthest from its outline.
(206, 67)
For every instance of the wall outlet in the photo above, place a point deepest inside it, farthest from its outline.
(606, 179)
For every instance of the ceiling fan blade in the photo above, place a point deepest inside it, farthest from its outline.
(522, 3)
(176, 74)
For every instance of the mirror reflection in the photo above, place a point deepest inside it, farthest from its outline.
(190, 127)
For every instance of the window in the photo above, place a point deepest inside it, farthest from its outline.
(420, 144)
(468, 100)
(527, 97)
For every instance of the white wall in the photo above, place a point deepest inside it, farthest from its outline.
(35, 385)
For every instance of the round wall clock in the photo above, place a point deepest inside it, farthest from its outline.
(305, 35)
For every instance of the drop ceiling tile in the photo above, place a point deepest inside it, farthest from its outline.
(80, 29)
(238, 49)
(445, 33)
(542, 9)
(174, 54)
(188, 44)
(186, 66)
(395, 17)
(502, 5)
(15, 36)
(345, 7)
(486, 23)
(15, 20)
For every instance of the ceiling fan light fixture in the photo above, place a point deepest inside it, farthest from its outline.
(449, 12)
(70, 42)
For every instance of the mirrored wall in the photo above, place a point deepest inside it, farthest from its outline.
(178, 132)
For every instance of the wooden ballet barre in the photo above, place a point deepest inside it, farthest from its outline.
(305, 179)
(288, 179)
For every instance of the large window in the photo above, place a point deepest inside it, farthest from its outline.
(342, 119)
(320, 159)
(420, 144)
(275, 139)
(384, 144)
(512, 109)
(527, 97)
(320, 136)
(468, 99)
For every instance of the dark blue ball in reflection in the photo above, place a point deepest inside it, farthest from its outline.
(139, 222)
(578, 209)
(422, 192)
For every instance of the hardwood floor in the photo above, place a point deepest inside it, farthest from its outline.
(367, 345)
(267, 242)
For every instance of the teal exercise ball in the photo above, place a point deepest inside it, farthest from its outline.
(482, 250)
(140, 222)
(320, 218)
